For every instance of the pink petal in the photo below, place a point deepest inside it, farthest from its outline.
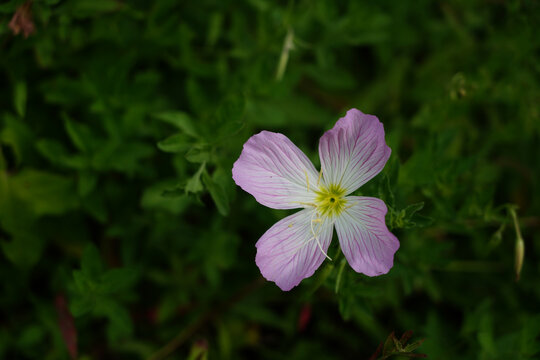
(275, 172)
(353, 151)
(288, 252)
(364, 238)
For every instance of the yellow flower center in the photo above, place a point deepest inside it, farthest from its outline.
(330, 200)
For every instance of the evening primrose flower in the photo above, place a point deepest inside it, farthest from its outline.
(280, 176)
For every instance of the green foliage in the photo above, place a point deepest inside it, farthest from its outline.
(96, 290)
(120, 122)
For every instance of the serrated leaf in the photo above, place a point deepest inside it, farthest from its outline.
(194, 184)
(198, 154)
(175, 143)
(410, 210)
(409, 218)
(179, 119)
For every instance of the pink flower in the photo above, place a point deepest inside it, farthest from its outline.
(280, 176)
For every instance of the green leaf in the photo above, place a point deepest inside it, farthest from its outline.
(82, 282)
(217, 193)
(80, 305)
(120, 324)
(215, 28)
(45, 193)
(91, 265)
(19, 98)
(163, 196)
(87, 182)
(179, 119)
(79, 134)
(19, 135)
(409, 218)
(24, 249)
(228, 119)
(116, 280)
(175, 143)
(51, 150)
(57, 154)
(410, 210)
(126, 157)
(194, 184)
(198, 154)
(174, 192)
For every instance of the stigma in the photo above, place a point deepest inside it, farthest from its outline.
(330, 200)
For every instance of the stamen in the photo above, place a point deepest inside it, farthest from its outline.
(315, 235)
(307, 180)
(320, 247)
(319, 179)
(304, 203)
(311, 224)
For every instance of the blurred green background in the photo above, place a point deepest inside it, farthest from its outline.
(123, 235)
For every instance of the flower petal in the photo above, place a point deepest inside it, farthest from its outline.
(353, 151)
(275, 172)
(288, 251)
(364, 238)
